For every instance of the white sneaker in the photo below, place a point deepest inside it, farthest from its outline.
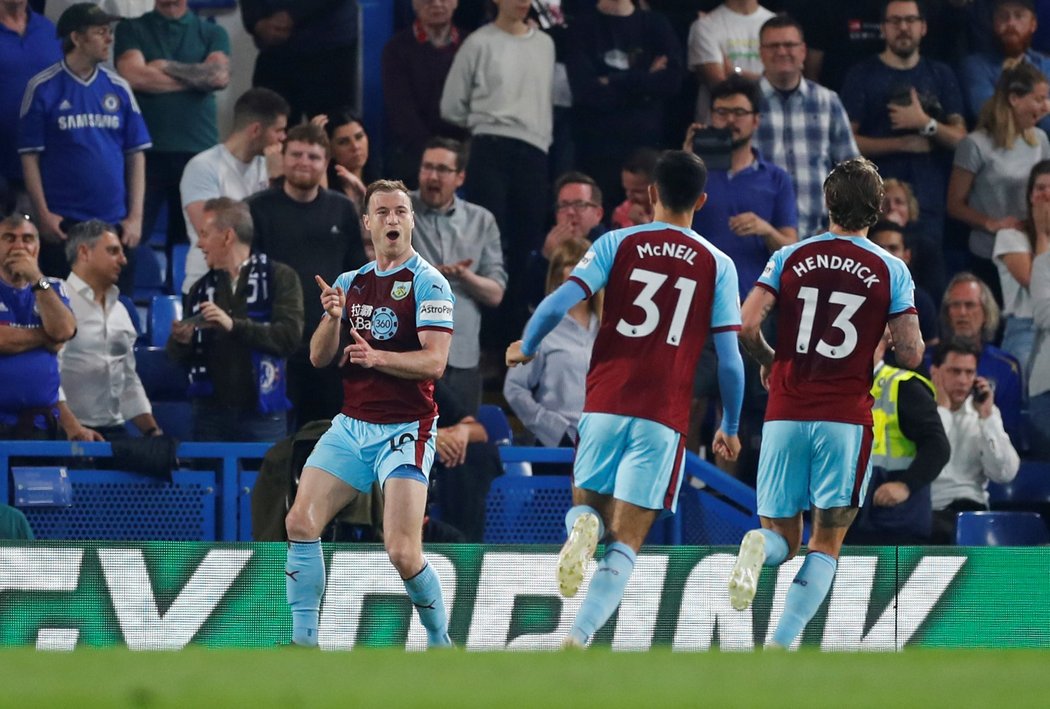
(743, 579)
(577, 551)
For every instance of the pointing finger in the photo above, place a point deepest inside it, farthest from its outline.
(357, 336)
(320, 282)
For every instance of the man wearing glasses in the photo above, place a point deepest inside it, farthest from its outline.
(577, 213)
(906, 112)
(750, 213)
(462, 241)
(81, 137)
(804, 128)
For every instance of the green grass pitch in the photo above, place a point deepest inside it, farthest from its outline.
(294, 678)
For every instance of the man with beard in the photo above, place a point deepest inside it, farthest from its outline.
(1014, 23)
(316, 231)
(461, 240)
(906, 112)
(750, 213)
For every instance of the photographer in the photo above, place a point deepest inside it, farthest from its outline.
(981, 450)
(750, 213)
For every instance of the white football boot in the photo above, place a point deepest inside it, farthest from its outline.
(743, 579)
(576, 552)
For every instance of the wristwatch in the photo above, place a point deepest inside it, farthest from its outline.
(930, 129)
(42, 284)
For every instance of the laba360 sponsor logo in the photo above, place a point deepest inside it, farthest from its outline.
(226, 582)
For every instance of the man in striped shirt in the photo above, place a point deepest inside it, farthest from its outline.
(804, 128)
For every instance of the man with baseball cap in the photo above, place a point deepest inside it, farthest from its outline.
(81, 137)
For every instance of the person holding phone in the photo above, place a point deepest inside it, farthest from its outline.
(750, 213)
(981, 450)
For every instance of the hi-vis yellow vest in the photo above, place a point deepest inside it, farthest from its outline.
(890, 450)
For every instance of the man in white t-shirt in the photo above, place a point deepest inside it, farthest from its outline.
(235, 168)
(723, 42)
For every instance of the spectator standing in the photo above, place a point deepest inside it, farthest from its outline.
(906, 111)
(804, 127)
(247, 318)
(34, 322)
(461, 240)
(307, 52)
(1013, 23)
(315, 231)
(623, 64)
(236, 168)
(900, 206)
(416, 61)
(99, 380)
(81, 137)
(27, 46)
(980, 448)
(723, 42)
(175, 62)
(1014, 252)
(499, 87)
(749, 214)
(992, 164)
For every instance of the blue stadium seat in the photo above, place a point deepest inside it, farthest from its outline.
(163, 379)
(163, 311)
(151, 268)
(178, 266)
(496, 424)
(527, 510)
(1000, 529)
(175, 418)
(1032, 484)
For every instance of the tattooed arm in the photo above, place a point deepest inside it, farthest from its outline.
(907, 340)
(753, 312)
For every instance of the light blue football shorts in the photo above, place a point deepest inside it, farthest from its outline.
(359, 453)
(632, 459)
(803, 464)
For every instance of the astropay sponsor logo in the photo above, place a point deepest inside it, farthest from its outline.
(436, 309)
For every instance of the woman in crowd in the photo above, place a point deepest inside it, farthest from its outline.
(547, 393)
(1013, 254)
(349, 169)
(992, 164)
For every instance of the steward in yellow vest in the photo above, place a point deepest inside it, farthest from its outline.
(909, 449)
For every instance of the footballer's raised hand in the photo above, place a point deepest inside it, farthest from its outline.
(333, 300)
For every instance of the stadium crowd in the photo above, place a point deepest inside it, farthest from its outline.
(524, 129)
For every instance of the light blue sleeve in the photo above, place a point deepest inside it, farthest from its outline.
(434, 300)
(730, 379)
(902, 287)
(725, 310)
(594, 268)
(774, 266)
(549, 313)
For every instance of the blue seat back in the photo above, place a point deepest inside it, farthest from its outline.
(1001, 529)
(527, 510)
(163, 311)
(496, 424)
(162, 378)
(1032, 484)
(178, 266)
